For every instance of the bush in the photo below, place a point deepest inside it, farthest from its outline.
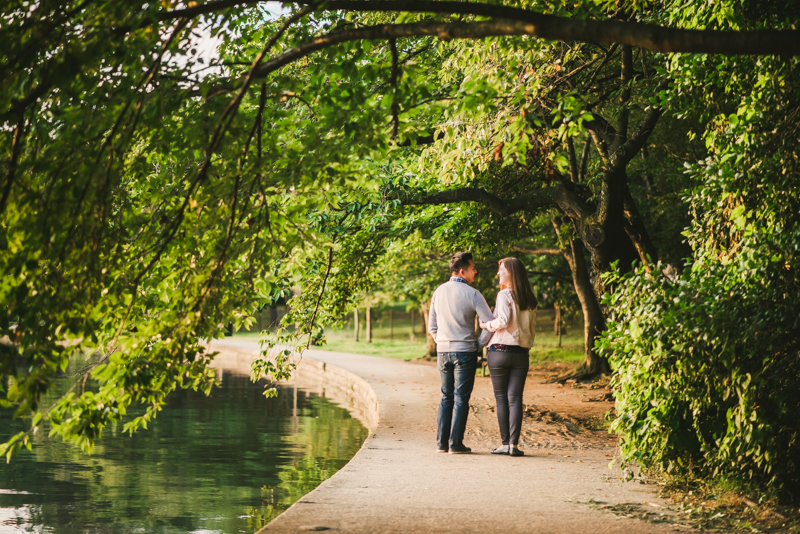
(707, 375)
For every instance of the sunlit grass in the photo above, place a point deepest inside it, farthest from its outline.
(397, 341)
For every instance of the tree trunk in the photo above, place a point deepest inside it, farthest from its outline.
(555, 319)
(557, 324)
(355, 323)
(593, 322)
(369, 321)
(412, 336)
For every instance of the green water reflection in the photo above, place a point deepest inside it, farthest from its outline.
(225, 463)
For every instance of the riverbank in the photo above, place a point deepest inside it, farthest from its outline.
(398, 483)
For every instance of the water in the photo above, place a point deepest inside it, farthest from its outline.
(227, 463)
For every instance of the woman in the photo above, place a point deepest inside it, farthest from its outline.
(513, 330)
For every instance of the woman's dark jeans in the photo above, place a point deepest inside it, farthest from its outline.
(509, 371)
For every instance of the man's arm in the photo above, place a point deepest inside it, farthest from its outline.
(482, 308)
(484, 315)
(432, 325)
(484, 338)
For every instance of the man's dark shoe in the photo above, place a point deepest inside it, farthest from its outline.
(516, 452)
(501, 450)
(460, 449)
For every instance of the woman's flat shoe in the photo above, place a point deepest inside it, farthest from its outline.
(516, 452)
(500, 450)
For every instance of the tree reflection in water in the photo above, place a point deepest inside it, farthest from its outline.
(226, 463)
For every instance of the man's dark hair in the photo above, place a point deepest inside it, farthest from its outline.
(460, 261)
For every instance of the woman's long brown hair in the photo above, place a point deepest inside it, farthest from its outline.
(520, 286)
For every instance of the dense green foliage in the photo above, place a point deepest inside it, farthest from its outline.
(709, 363)
(141, 218)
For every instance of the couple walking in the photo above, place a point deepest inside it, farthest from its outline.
(508, 334)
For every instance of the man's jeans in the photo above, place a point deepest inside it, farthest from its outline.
(457, 370)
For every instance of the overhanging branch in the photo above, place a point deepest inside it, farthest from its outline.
(538, 251)
(541, 198)
(550, 27)
(650, 36)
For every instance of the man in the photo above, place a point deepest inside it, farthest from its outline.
(452, 324)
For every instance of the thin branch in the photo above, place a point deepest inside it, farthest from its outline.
(321, 293)
(222, 127)
(573, 161)
(584, 159)
(292, 94)
(576, 70)
(609, 54)
(624, 98)
(628, 151)
(644, 64)
(394, 80)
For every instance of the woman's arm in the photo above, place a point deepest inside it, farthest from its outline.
(502, 313)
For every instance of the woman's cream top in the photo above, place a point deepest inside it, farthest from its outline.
(511, 326)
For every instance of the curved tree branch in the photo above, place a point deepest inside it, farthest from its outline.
(550, 196)
(650, 36)
(549, 27)
(538, 251)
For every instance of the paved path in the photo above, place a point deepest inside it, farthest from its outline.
(398, 482)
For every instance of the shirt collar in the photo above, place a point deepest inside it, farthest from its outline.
(458, 279)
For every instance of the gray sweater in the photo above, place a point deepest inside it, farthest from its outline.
(451, 321)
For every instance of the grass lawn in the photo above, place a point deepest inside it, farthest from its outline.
(396, 341)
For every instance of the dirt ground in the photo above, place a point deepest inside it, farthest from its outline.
(557, 418)
(571, 420)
